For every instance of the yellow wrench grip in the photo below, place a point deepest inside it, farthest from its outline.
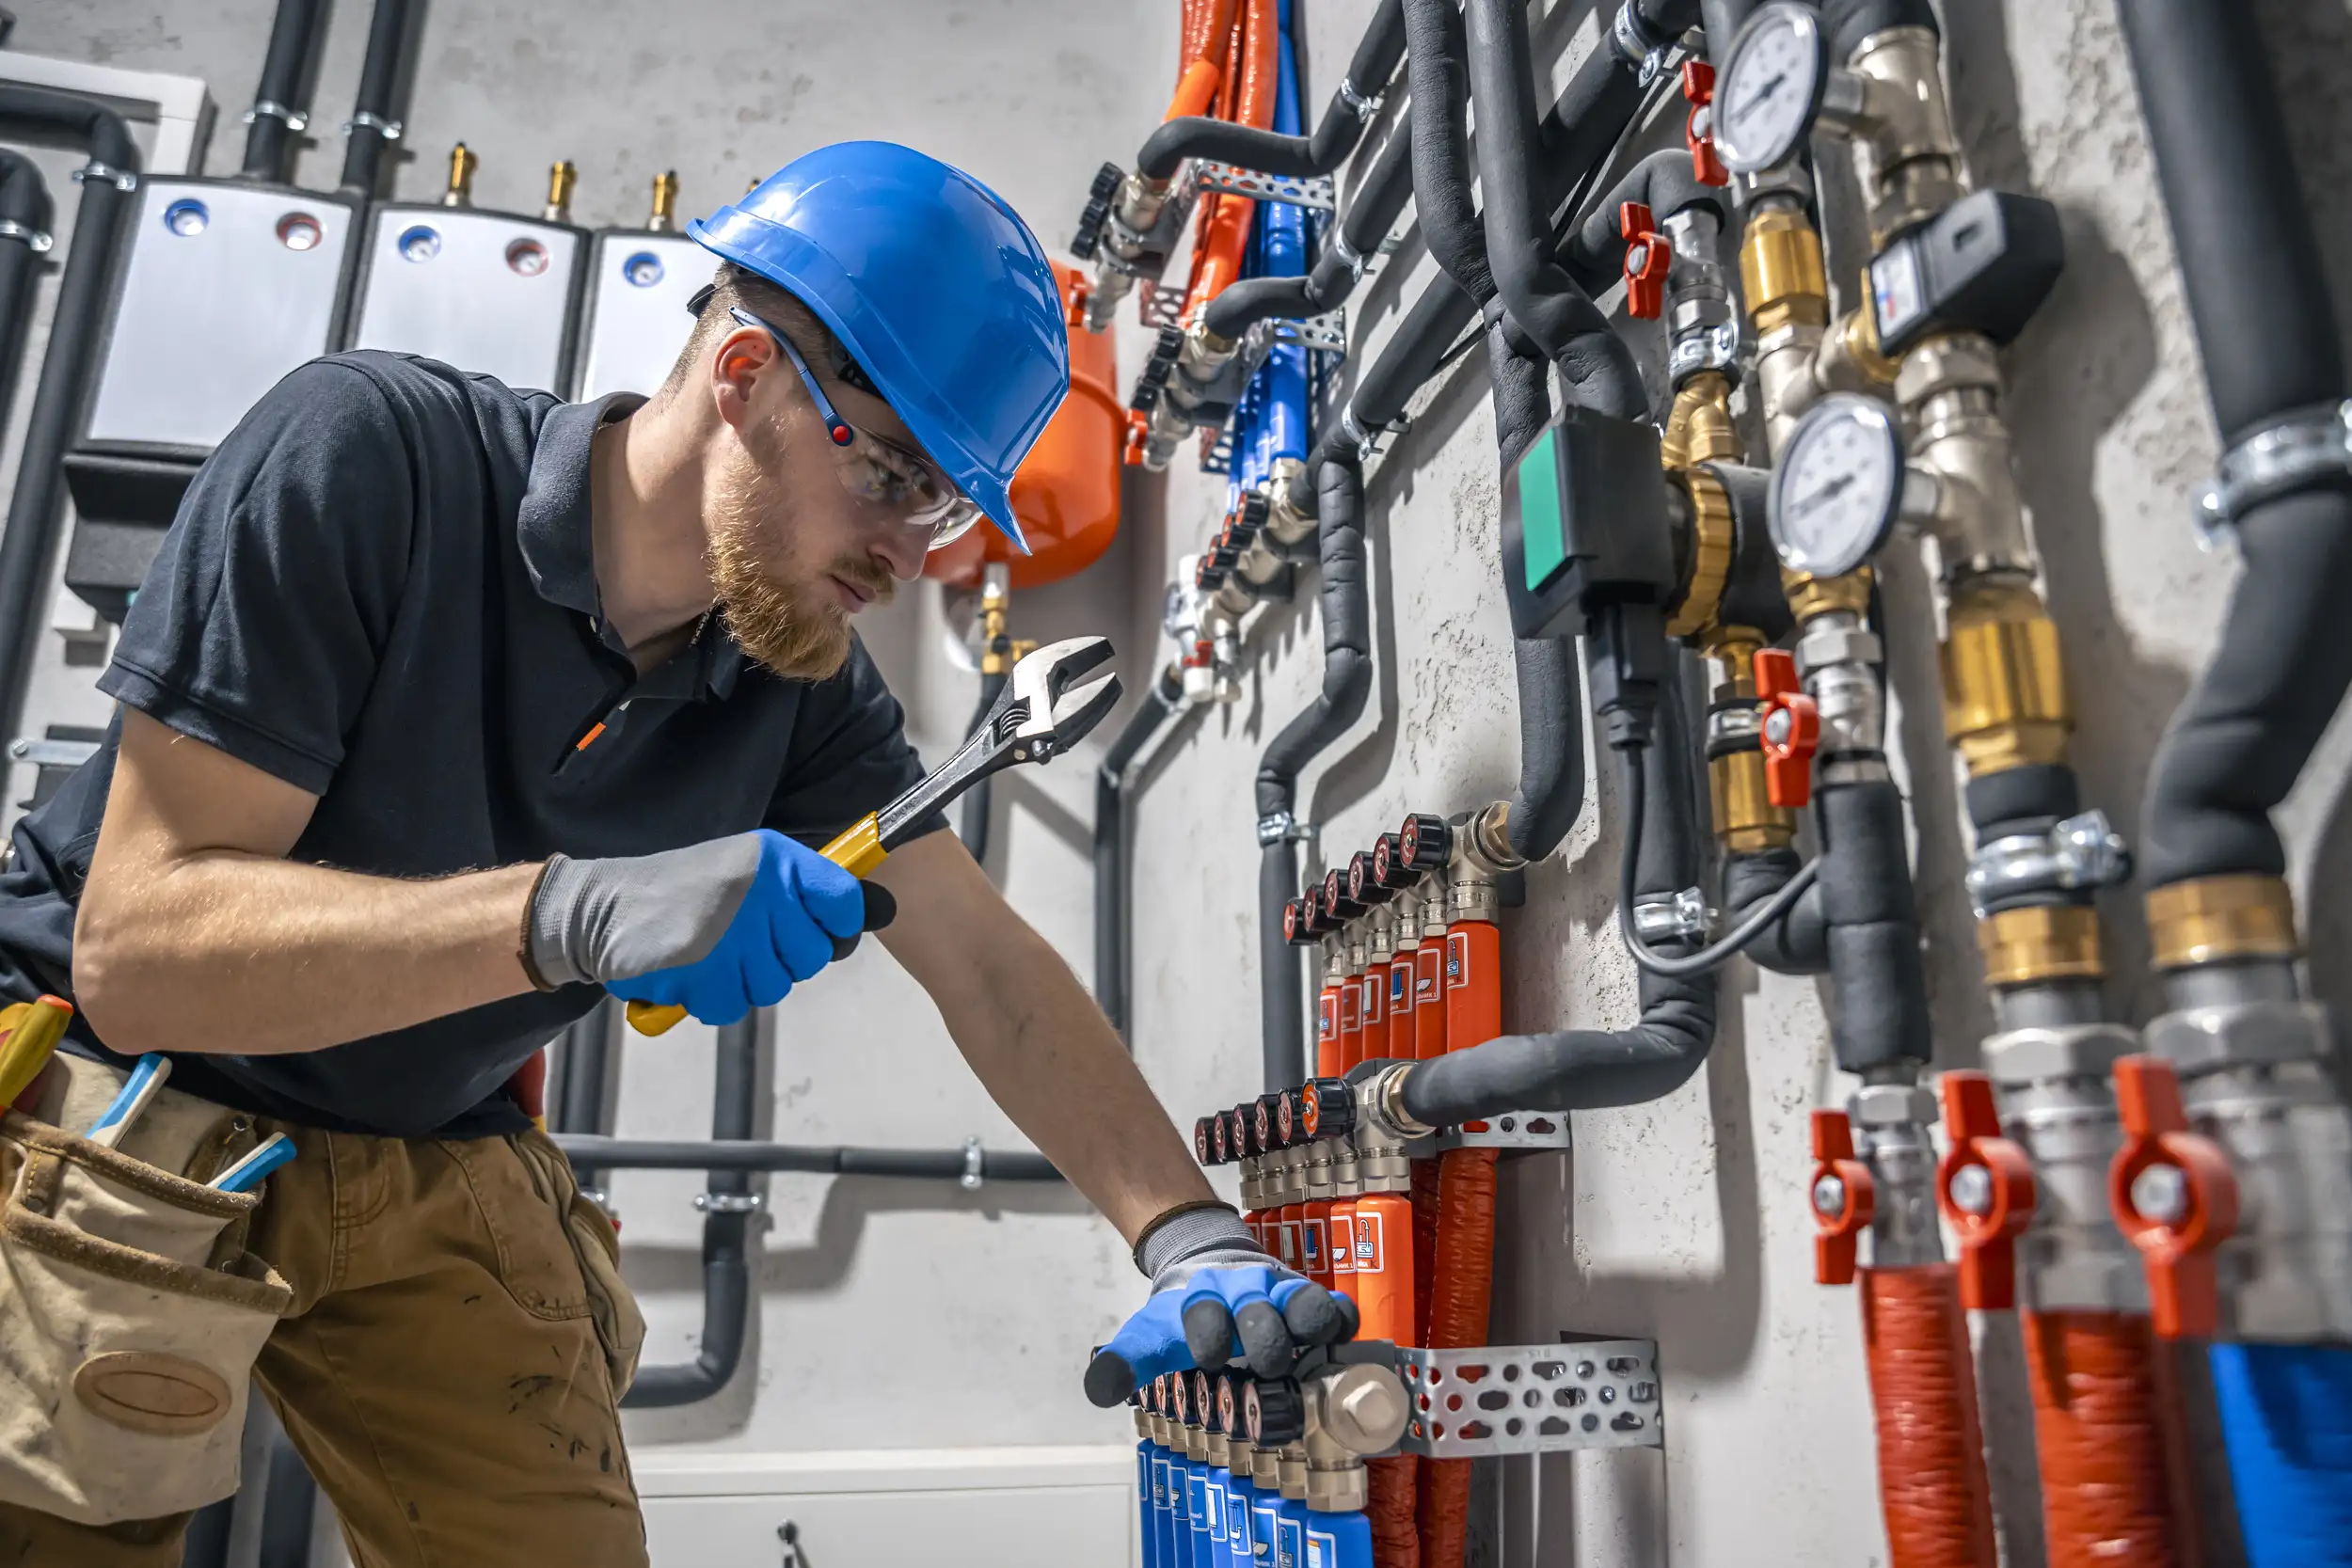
(857, 851)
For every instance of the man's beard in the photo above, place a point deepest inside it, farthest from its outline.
(785, 617)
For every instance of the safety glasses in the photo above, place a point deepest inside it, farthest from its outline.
(879, 474)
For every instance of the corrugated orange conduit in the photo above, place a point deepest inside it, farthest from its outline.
(2101, 1432)
(1932, 1479)
(1224, 230)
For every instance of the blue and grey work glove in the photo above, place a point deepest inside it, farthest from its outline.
(717, 928)
(1216, 1298)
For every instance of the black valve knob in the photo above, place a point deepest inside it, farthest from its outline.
(1156, 369)
(1389, 869)
(1265, 1123)
(1237, 1131)
(1204, 1401)
(1228, 1405)
(1098, 209)
(1204, 1144)
(1326, 1109)
(1426, 842)
(1273, 1412)
(1220, 1138)
(1251, 517)
(1335, 897)
(1363, 884)
(1299, 921)
(1180, 1397)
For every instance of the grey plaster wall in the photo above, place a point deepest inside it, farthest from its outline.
(899, 1316)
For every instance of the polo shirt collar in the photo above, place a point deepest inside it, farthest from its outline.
(553, 529)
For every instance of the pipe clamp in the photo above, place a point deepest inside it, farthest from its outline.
(362, 121)
(269, 108)
(975, 1165)
(1362, 106)
(1673, 916)
(1714, 348)
(2081, 852)
(1353, 259)
(2298, 451)
(123, 180)
(1639, 47)
(729, 1203)
(1281, 828)
(36, 241)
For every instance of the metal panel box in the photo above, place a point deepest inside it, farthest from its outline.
(636, 320)
(493, 292)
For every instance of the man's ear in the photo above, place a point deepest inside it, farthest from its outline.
(742, 360)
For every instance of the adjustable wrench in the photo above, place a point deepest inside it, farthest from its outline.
(1039, 715)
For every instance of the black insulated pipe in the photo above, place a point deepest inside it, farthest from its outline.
(1160, 703)
(726, 1223)
(1850, 21)
(742, 1156)
(1666, 184)
(373, 123)
(2267, 329)
(1798, 942)
(25, 212)
(1878, 984)
(1558, 317)
(1270, 153)
(1346, 609)
(28, 548)
(977, 804)
(1371, 211)
(1442, 166)
(280, 98)
(1721, 21)
(1587, 1069)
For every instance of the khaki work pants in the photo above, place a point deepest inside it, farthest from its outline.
(439, 1369)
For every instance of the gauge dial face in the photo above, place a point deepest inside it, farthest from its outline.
(1838, 487)
(1771, 87)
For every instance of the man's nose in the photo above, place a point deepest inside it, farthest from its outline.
(902, 550)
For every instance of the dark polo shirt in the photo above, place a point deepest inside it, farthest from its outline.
(380, 589)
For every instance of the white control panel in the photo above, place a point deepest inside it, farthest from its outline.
(638, 286)
(486, 292)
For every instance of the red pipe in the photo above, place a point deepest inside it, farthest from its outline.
(1217, 259)
(1930, 1442)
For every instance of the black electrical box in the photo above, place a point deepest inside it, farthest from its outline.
(1984, 264)
(1584, 524)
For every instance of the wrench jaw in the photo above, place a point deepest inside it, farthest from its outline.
(1041, 679)
(1075, 714)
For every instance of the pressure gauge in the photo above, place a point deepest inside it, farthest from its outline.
(1769, 88)
(1839, 486)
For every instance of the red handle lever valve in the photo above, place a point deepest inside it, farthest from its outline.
(1791, 729)
(1698, 132)
(2173, 1194)
(1647, 259)
(1985, 1187)
(1844, 1199)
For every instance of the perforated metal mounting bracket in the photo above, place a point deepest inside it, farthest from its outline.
(1293, 190)
(1521, 1132)
(1532, 1399)
(1328, 332)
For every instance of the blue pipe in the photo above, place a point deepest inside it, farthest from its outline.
(1265, 1527)
(1290, 1540)
(1241, 1538)
(1147, 1507)
(1197, 1513)
(2286, 1420)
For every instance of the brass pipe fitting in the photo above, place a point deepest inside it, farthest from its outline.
(664, 218)
(2217, 919)
(561, 177)
(462, 163)
(1811, 597)
(1780, 274)
(1739, 803)
(1905, 155)
(1950, 387)
(2039, 943)
(2004, 681)
(1698, 426)
(1712, 542)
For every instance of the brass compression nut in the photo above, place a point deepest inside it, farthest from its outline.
(1810, 596)
(2211, 919)
(2041, 943)
(2004, 679)
(1746, 820)
(1698, 427)
(1780, 274)
(1711, 543)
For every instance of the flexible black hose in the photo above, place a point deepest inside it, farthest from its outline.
(372, 109)
(269, 142)
(25, 202)
(1877, 983)
(1584, 1069)
(1346, 609)
(726, 1264)
(1848, 22)
(973, 828)
(1559, 317)
(1666, 184)
(2266, 328)
(1371, 211)
(1271, 152)
(28, 548)
(1160, 703)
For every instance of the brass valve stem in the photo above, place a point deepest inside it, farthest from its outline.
(561, 177)
(665, 219)
(1744, 818)
(462, 163)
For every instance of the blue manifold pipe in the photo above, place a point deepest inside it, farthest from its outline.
(2286, 1419)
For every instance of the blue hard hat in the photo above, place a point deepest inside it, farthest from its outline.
(934, 284)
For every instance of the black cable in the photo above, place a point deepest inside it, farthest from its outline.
(1720, 953)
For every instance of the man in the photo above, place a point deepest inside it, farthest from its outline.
(445, 705)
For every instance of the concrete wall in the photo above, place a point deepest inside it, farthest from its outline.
(899, 1316)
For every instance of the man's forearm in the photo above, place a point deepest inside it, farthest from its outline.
(225, 951)
(1049, 1058)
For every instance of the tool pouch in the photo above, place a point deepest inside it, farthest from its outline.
(611, 1306)
(131, 1315)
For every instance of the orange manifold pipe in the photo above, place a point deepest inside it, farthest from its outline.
(1931, 1441)
(2103, 1434)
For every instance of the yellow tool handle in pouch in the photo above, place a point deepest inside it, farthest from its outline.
(33, 1030)
(858, 849)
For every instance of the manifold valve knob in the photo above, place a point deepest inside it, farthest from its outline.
(1985, 1187)
(1647, 259)
(1844, 1199)
(1789, 729)
(2174, 1196)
